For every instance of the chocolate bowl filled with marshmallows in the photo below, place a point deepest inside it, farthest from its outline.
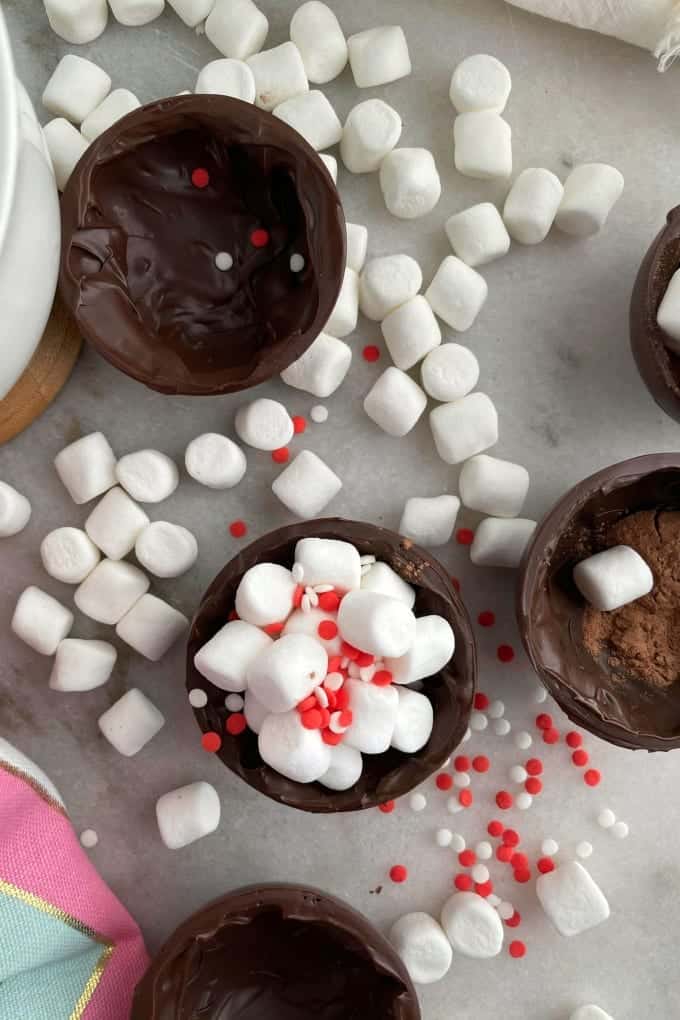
(203, 245)
(328, 726)
(612, 659)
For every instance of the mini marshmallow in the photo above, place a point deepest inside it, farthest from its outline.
(316, 32)
(292, 750)
(192, 12)
(136, 12)
(116, 106)
(331, 164)
(77, 21)
(69, 555)
(381, 578)
(227, 77)
(237, 28)
(110, 591)
(312, 116)
(279, 75)
(492, 486)
(188, 814)
(378, 56)
(131, 723)
(357, 246)
(166, 550)
(449, 372)
(411, 331)
(590, 1013)
(429, 521)
(300, 622)
(225, 658)
(371, 131)
(254, 711)
(423, 947)
(395, 402)
(306, 486)
(76, 87)
(410, 183)
(374, 714)
(116, 523)
(431, 650)
(15, 511)
(264, 424)
(152, 627)
(329, 561)
(472, 926)
(343, 320)
(613, 578)
(344, 770)
(413, 725)
(478, 234)
(531, 205)
(480, 82)
(147, 475)
(572, 899)
(322, 368)
(87, 467)
(464, 427)
(65, 145)
(668, 315)
(457, 293)
(265, 594)
(590, 193)
(501, 542)
(287, 672)
(82, 665)
(40, 621)
(215, 461)
(386, 283)
(376, 623)
(483, 145)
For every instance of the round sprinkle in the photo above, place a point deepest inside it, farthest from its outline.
(89, 839)
(478, 722)
(517, 950)
(383, 678)
(551, 736)
(371, 353)
(573, 739)
(519, 860)
(327, 630)
(462, 780)
(510, 838)
(398, 873)
(540, 695)
(534, 766)
(319, 414)
(463, 883)
(484, 851)
(461, 763)
(237, 529)
(200, 178)
(199, 699)
(259, 238)
(522, 875)
(505, 910)
(592, 777)
(580, 758)
(515, 920)
(417, 802)
(523, 740)
(297, 263)
(486, 618)
(443, 837)
(495, 828)
(465, 536)
(496, 710)
(453, 806)
(236, 724)
(584, 849)
(223, 261)
(273, 629)
(233, 702)
(480, 873)
(211, 742)
(545, 865)
(458, 842)
(504, 800)
(504, 854)
(299, 424)
(494, 901)
(549, 847)
(444, 781)
(465, 798)
(533, 786)
(606, 818)
(467, 858)
(387, 808)
(524, 801)
(518, 774)
(281, 456)
(544, 721)
(481, 763)
(501, 727)
(484, 889)
(329, 602)
(620, 830)
(481, 702)
(505, 653)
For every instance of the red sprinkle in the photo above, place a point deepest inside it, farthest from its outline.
(329, 602)
(544, 721)
(467, 858)
(456, 583)
(580, 758)
(200, 178)
(273, 629)
(465, 798)
(517, 950)
(481, 763)
(484, 889)
(481, 701)
(495, 828)
(545, 865)
(327, 630)
(463, 883)
(533, 786)
(515, 920)
(342, 699)
(387, 808)
(371, 353)
(237, 529)
(346, 718)
(312, 719)
(486, 618)
(504, 800)
(236, 724)
(519, 860)
(281, 455)
(211, 742)
(551, 736)
(504, 853)
(522, 875)
(505, 653)
(511, 838)
(592, 777)
(307, 703)
(383, 678)
(465, 536)
(299, 424)
(349, 651)
(444, 781)
(573, 739)
(259, 238)
(461, 763)
(365, 659)
(534, 766)
(297, 602)
(326, 718)
(330, 738)
(335, 660)
(398, 873)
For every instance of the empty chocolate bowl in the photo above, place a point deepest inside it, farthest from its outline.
(203, 245)
(276, 952)
(385, 776)
(617, 673)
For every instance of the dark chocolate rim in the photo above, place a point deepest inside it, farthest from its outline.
(296, 903)
(253, 125)
(451, 691)
(537, 566)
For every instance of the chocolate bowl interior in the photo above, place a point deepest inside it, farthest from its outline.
(385, 776)
(623, 710)
(659, 367)
(140, 238)
(276, 952)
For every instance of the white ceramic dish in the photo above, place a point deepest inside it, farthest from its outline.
(9, 129)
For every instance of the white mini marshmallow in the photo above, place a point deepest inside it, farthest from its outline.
(590, 193)
(492, 486)
(238, 28)
(254, 711)
(357, 246)
(69, 555)
(331, 164)
(152, 627)
(457, 293)
(414, 722)
(449, 372)
(483, 145)
(76, 87)
(300, 622)
(329, 561)
(478, 234)
(227, 77)
(131, 723)
(306, 486)
(464, 427)
(279, 75)
(374, 714)
(116, 523)
(371, 131)
(668, 315)
(378, 56)
(265, 594)
(87, 467)
(297, 753)
(15, 511)
(410, 183)
(264, 424)
(225, 658)
(287, 671)
(147, 475)
(411, 331)
(165, 549)
(423, 947)
(613, 578)
(40, 621)
(501, 542)
(322, 368)
(77, 21)
(192, 12)
(531, 205)
(344, 770)
(65, 145)
(343, 320)
(312, 116)
(432, 649)
(480, 82)
(572, 899)
(376, 623)
(82, 665)
(429, 521)
(383, 579)
(472, 926)
(316, 32)
(386, 283)
(395, 402)
(215, 461)
(187, 814)
(136, 12)
(116, 106)
(110, 591)
(590, 1012)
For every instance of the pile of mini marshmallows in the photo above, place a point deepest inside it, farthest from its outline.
(322, 659)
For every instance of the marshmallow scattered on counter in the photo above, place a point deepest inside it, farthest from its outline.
(322, 368)
(136, 12)
(82, 665)
(300, 622)
(590, 193)
(227, 77)
(110, 591)
(307, 485)
(331, 164)
(376, 623)
(480, 82)
(237, 28)
(492, 486)
(411, 331)
(464, 427)
(414, 722)
(225, 658)
(116, 523)
(215, 461)
(131, 723)
(297, 753)
(287, 672)
(343, 320)
(449, 372)
(612, 578)
(423, 947)
(590, 1013)
(668, 315)
(483, 145)
(378, 56)
(65, 145)
(312, 116)
(69, 555)
(152, 627)
(457, 293)
(478, 234)
(501, 542)
(374, 714)
(531, 205)
(381, 578)
(371, 131)
(472, 926)
(15, 511)
(117, 105)
(429, 521)
(386, 283)
(395, 402)
(188, 814)
(264, 424)
(572, 899)
(40, 621)
(410, 183)
(344, 770)
(432, 649)
(329, 561)
(76, 87)
(316, 32)
(147, 475)
(357, 246)
(77, 21)
(265, 594)
(192, 12)
(279, 75)
(165, 549)
(87, 467)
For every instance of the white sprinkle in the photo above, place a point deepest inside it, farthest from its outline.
(234, 702)
(297, 263)
(549, 847)
(198, 698)
(334, 681)
(344, 662)
(89, 838)
(461, 780)
(540, 695)
(480, 873)
(484, 851)
(466, 736)
(620, 830)
(518, 774)
(458, 843)
(493, 900)
(453, 806)
(505, 910)
(366, 673)
(524, 801)
(496, 710)
(298, 572)
(321, 696)
(443, 837)
(354, 670)
(223, 261)
(305, 604)
(501, 727)
(606, 818)
(523, 740)
(584, 849)
(336, 726)
(417, 802)
(478, 722)
(313, 597)
(319, 414)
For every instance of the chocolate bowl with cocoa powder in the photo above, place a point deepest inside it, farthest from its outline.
(616, 674)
